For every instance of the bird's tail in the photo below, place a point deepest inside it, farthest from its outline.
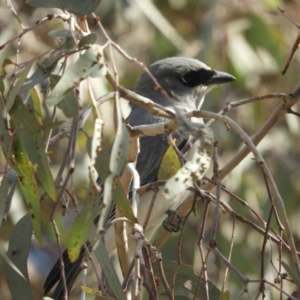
(71, 272)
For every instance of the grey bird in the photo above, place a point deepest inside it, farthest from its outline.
(186, 82)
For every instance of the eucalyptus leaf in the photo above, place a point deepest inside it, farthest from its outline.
(17, 87)
(117, 162)
(122, 202)
(32, 140)
(88, 40)
(109, 271)
(42, 72)
(2, 86)
(18, 252)
(3, 199)
(63, 33)
(25, 170)
(292, 273)
(89, 64)
(82, 224)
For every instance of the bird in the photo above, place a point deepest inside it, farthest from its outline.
(186, 81)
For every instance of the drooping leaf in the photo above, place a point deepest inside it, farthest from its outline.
(2, 86)
(32, 139)
(77, 7)
(122, 202)
(42, 72)
(25, 170)
(83, 223)
(89, 64)
(69, 104)
(109, 271)
(3, 199)
(292, 273)
(16, 88)
(18, 252)
(34, 106)
(117, 162)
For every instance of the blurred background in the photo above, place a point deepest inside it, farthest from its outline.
(250, 39)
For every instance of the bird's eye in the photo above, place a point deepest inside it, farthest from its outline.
(197, 77)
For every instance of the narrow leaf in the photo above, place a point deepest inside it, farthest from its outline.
(18, 252)
(3, 199)
(82, 224)
(122, 202)
(16, 89)
(89, 64)
(25, 173)
(32, 139)
(292, 273)
(109, 271)
(87, 40)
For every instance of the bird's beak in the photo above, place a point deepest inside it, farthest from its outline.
(220, 77)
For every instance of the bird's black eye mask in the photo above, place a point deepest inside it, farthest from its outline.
(197, 77)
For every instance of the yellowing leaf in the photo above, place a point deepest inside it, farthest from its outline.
(170, 164)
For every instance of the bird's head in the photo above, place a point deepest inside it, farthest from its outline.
(186, 80)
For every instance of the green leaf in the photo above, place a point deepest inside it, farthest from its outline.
(2, 86)
(170, 164)
(226, 295)
(3, 199)
(32, 139)
(34, 106)
(87, 40)
(21, 115)
(77, 7)
(117, 162)
(83, 223)
(18, 252)
(5, 135)
(25, 173)
(16, 89)
(89, 64)
(42, 72)
(69, 104)
(9, 262)
(63, 33)
(292, 273)
(122, 202)
(109, 271)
